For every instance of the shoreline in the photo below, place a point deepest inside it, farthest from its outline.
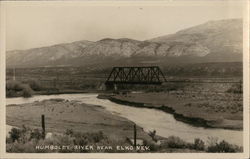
(64, 105)
(57, 92)
(61, 115)
(194, 121)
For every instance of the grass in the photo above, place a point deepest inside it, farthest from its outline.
(199, 145)
(76, 78)
(55, 79)
(27, 140)
(174, 142)
(222, 146)
(193, 105)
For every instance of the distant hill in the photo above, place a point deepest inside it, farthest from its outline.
(214, 41)
(45, 55)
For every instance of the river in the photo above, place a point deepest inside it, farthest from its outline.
(149, 119)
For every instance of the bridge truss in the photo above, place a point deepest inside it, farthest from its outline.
(136, 75)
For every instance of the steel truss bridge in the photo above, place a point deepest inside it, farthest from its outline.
(135, 75)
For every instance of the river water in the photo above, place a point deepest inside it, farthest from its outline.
(149, 119)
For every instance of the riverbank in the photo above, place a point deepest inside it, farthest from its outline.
(55, 92)
(64, 117)
(61, 115)
(57, 110)
(199, 109)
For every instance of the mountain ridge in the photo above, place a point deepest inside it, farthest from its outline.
(219, 40)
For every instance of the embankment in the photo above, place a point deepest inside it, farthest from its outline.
(190, 118)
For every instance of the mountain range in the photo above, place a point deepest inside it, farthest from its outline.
(213, 41)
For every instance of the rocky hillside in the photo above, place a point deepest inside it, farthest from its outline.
(214, 41)
(215, 38)
(45, 55)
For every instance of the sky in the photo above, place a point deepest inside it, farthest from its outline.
(37, 24)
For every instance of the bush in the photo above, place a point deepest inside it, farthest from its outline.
(223, 146)
(69, 132)
(174, 142)
(34, 85)
(85, 138)
(152, 134)
(235, 88)
(16, 147)
(36, 134)
(20, 135)
(26, 140)
(153, 147)
(14, 85)
(199, 144)
(11, 93)
(15, 134)
(15, 88)
(27, 91)
(97, 137)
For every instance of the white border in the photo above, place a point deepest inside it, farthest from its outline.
(2, 79)
(245, 154)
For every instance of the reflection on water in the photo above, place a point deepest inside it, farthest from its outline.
(150, 119)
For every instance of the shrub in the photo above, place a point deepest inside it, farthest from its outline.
(19, 135)
(34, 85)
(153, 147)
(85, 138)
(15, 88)
(15, 134)
(27, 91)
(11, 93)
(235, 88)
(69, 132)
(174, 142)
(199, 144)
(14, 85)
(212, 141)
(152, 134)
(15, 147)
(26, 140)
(223, 146)
(97, 137)
(36, 134)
